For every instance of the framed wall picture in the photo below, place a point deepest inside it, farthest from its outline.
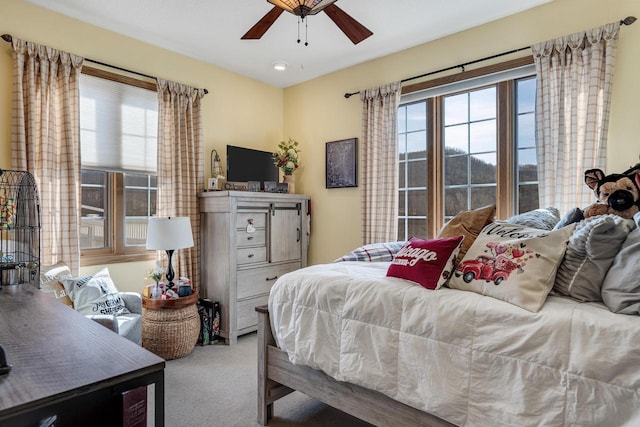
(270, 186)
(342, 163)
(253, 185)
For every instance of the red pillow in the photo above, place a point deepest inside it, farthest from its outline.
(427, 262)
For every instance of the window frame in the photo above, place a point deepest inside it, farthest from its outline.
(117, 251)
(506, 136)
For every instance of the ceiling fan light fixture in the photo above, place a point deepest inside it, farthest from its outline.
(302, 8)
(280, 66)
(354, 30)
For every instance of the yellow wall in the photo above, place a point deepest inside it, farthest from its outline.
(316, 112)
(233, 101)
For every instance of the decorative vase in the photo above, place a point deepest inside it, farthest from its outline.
(156, 292)
(290, 180)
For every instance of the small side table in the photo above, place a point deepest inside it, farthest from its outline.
(170, 327)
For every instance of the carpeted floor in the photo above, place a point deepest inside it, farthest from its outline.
(216, 386)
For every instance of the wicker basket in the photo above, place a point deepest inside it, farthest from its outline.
(170, 333)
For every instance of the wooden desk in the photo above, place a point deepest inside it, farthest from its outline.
(67, 365)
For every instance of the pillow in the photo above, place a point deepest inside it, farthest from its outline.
(621, 285)
(574, 215)
(50, 277)
(95, 294)
(543, 219)
(468, 224)
(592, 247)
(375, 252)
(426, 262)
(512, 263)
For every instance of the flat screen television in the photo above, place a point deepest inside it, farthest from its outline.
(247, 164)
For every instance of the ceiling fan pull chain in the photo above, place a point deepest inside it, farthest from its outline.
(306, 32)
(298, 30)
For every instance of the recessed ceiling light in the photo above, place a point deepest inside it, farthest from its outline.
(280, 65)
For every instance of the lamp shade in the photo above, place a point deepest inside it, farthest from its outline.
(169, 233)
(302, 7)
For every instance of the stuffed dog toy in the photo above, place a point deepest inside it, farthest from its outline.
(616, 193)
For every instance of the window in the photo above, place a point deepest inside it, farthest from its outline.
(412, 140)
(527, 163)
(467, 145)
(118, 134)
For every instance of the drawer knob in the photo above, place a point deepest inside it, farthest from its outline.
(250, 238)
(250, 256)
(271, 278)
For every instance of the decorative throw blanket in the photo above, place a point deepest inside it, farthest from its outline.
(467, 358)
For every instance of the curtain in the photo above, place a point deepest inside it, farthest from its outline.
(574, 75)
(379, 151)
(181, 166)
(46, 142)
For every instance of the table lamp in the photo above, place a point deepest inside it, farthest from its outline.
(169, 234)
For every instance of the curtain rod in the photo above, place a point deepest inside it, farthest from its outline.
(8, 38)
(626, 21)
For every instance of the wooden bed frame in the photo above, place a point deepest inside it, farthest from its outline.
(277, 377)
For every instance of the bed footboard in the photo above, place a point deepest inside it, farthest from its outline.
(268, 390)
(278, 377)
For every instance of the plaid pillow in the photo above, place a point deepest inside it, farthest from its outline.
(374, 252)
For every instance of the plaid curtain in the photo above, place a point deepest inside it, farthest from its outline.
(181, 166)
(379, 152)
(45, 136)
(574, 75)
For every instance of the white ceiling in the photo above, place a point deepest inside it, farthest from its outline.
(210, 30)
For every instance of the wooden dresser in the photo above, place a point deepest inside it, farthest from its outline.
(67, 370)
(249, 239)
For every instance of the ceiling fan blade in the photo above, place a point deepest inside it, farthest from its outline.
(349, 26)
(263, 24)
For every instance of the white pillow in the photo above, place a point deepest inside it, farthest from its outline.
(95, 294)
(512, 263)
(50, 277)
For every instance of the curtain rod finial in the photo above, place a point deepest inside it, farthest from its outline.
(628, 20)
(7, 38)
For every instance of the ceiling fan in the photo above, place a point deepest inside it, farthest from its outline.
(355, 31)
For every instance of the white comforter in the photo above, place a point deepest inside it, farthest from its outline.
(469, 359)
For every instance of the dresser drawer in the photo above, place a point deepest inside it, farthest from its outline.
(251, 255)
(257, 238)
(258, 219)
(246, 312)
(259, 280)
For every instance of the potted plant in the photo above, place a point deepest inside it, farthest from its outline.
(156, 275)
(287, 158)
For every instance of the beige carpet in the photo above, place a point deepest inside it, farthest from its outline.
(216, 386)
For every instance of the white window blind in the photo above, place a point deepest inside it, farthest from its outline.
(118, 126)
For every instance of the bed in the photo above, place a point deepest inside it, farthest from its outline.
(390, 352)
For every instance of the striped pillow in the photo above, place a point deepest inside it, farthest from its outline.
(375, 252)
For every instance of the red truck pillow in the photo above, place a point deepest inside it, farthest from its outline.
(513, 263)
